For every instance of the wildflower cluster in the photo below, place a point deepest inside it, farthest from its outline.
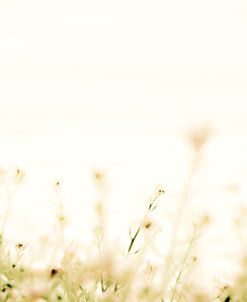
(102, 272)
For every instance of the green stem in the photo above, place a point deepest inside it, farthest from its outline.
(133, 239)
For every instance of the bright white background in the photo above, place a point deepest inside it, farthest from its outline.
(117, 85)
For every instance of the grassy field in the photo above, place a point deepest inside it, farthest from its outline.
(57, 268)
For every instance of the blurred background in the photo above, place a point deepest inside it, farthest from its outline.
(119, 86)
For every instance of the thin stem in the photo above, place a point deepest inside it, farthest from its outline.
(151, 207)
(178, 218)
(132, 240)
(178, 278)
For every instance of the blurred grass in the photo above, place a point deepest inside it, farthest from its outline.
(64, 270)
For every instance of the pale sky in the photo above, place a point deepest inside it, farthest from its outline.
(122, 61)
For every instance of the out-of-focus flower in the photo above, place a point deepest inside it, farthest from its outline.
(200, 297)
(98, 176)
(19, 175)
(204, 221)
(199, 137)
(149, 225)
(57, 185)
(34, 291)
